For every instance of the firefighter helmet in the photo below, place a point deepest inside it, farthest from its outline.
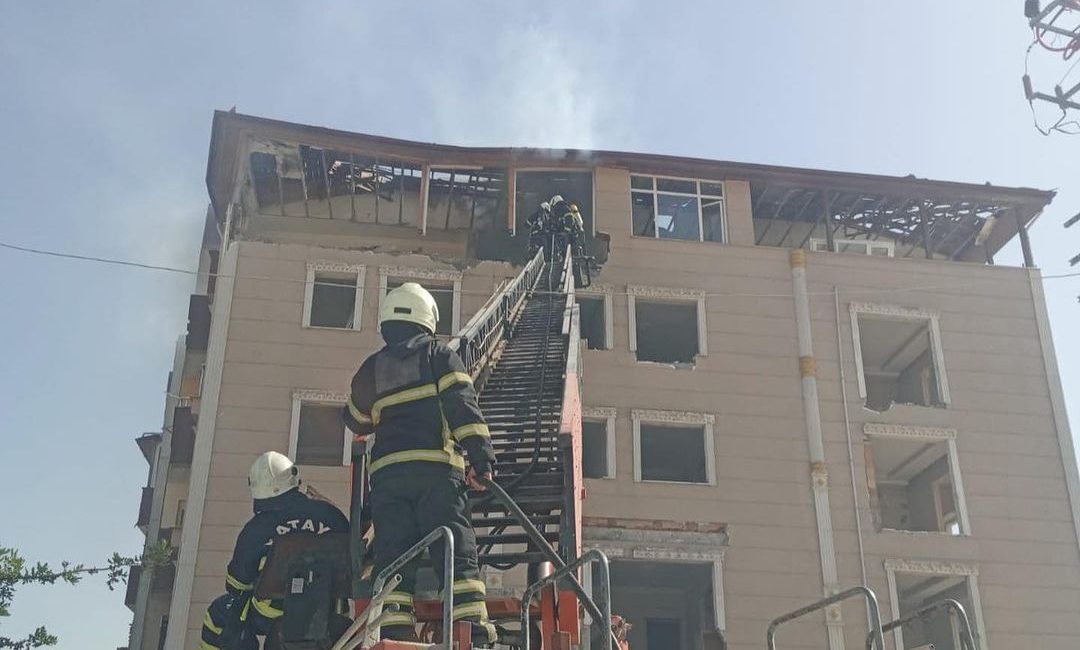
(410, 303)
(272, 474)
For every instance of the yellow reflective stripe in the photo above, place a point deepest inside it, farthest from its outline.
(262, 563)
(237, 584)
(469, 430)
(203, 645)
(399, 618)
(208, 623)
(399, 598)
(265, 608)
(244, 612)
(478, 609)
(402, 397)
(427, 455)
(357, 414)
(469, 586)
(451, 378)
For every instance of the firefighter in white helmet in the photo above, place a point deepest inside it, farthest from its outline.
(416, 397)
(235, 619)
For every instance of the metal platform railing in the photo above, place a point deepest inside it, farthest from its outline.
(865, 592)
(947, 604)
(568, 571)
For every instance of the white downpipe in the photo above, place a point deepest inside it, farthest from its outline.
(815, 443)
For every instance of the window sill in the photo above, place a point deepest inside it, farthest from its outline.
(325, 328)
(674, 365)
(693, 241)
(921, 533)
(690, 483)
(598, 478)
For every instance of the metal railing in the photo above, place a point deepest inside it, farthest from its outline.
(865, 592)
(348, 640)
(569, 571)
(966, 636)
(388, 579)
(475, 342)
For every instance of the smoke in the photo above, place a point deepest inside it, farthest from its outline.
(544, 88)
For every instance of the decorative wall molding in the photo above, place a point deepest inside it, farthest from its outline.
(447, 275)
(598, 412)
(323, 396)
(908, 431)
(594, 289)
(892, 311)
(677, 555)
(665, 292)
(931, 567)
(672, 417)
(334, 267)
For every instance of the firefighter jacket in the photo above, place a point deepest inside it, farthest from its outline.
(419, 401)
(291, 512)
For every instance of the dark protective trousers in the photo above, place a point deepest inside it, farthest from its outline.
(225, 626)
(408, 501)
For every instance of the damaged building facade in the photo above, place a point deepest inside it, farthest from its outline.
(793, 380)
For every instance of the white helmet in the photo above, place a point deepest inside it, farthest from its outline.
(556, 200)
(410, 303)
(545, 206)
(272, 474)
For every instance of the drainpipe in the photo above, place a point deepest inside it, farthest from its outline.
(818, 472)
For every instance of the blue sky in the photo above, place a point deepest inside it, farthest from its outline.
(105, 114)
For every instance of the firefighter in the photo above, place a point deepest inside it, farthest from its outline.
(568, 219)
(538, 222)
(233, 620)
(416, 397)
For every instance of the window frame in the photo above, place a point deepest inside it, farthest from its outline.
(512, 172)
(903, 314)
(969, 572)
(605, 414)
(676, 418)
(301, 397)
(667, 294)
(603, 292)
(818, 245)
(315, 267)
(699, 196)
(422, 274)
(929, 434)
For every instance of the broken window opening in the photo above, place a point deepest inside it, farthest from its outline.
(595, 452)
(535, 187)
(333, 301)
(898, 363)
(677, 208)
(668, 603)
(940, 631)
(666, 331)
(472, 199)
(593, 321)
(442, 292)
(882, 248)
(320, 435)
(672, 453)
(911, 485)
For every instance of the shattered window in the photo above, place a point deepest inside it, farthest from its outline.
(593, 322)
(333, 302)
(673, 453)
(466, 198)
(320, 435)
(911, 485)
(594, 441)
(677, 208)
(898, 362)
(667, 331)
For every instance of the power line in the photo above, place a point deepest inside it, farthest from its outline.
(190, 272)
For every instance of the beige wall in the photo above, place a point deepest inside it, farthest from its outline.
(1022, 542)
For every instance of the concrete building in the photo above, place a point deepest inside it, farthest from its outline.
(794, 380)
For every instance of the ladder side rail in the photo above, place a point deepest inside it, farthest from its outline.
(568, 571)
(366, 618)
(484, 331)
(966, 636)
(570, 442)
(860, 590)
(444, 533)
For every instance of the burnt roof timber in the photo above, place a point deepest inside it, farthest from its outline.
(229, 129)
